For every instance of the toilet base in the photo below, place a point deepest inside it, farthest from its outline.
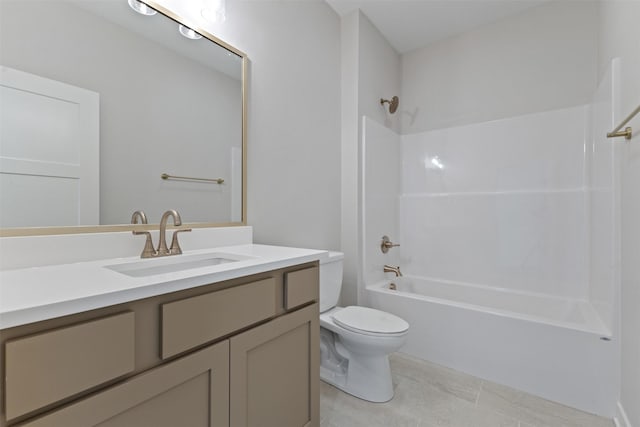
(355, 362)
(360, 374)
(367, 378)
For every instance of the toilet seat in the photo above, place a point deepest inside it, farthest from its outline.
(369, 321)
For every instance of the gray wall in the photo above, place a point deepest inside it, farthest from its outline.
(294, 116)
(370, 71)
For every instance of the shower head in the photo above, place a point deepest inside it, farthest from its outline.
(393, 104)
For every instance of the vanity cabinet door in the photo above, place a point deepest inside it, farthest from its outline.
(191, 391)
(275, 372)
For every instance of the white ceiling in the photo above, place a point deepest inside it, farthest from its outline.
(411, 24)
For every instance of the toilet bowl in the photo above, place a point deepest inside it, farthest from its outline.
(355, 342)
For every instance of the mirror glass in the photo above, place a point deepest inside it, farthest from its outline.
(99, 102)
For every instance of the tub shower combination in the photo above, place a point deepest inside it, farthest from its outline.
(508, 248)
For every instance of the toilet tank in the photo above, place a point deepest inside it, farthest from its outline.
(330, 280)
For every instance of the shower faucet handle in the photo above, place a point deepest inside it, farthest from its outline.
(387, 244)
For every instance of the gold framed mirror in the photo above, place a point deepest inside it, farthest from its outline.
(107, 111)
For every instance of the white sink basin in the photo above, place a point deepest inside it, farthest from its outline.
(174, 263)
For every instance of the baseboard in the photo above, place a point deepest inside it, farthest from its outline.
(621, 419)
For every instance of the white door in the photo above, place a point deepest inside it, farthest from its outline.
(49, 152)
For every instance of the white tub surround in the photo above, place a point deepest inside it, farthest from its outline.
(499, 203)
(38, 293)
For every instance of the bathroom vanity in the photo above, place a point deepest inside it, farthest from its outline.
(213, 337)
(232, 344)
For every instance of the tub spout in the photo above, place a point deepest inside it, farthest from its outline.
(392, 269)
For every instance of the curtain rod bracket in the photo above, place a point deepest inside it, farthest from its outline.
(627, 132)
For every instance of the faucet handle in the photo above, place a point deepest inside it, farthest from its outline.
(175, 248)
(387, 244)
(148, 251)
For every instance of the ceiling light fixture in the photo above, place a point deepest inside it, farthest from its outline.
(214, 10)
(141, 8)
(188, 32)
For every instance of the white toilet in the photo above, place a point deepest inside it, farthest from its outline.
(355, 342)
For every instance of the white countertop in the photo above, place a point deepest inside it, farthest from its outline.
(40, 293)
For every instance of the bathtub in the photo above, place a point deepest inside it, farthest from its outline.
(555, 348)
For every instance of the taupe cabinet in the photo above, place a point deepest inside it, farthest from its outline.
(239, 353)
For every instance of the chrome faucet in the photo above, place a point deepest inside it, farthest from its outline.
(392, 269)
(175, 246)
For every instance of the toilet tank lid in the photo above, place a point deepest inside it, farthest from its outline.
(333, 257)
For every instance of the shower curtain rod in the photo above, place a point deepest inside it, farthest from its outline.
(627, 131)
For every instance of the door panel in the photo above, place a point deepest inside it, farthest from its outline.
(192, 391)
(49, 150)
(275, 372)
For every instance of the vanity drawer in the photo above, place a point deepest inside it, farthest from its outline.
(194, 321)
(300, 287)
(45, 368)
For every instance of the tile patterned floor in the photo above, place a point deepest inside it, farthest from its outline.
(429, 395)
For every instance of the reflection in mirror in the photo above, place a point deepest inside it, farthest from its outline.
(99, 101)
